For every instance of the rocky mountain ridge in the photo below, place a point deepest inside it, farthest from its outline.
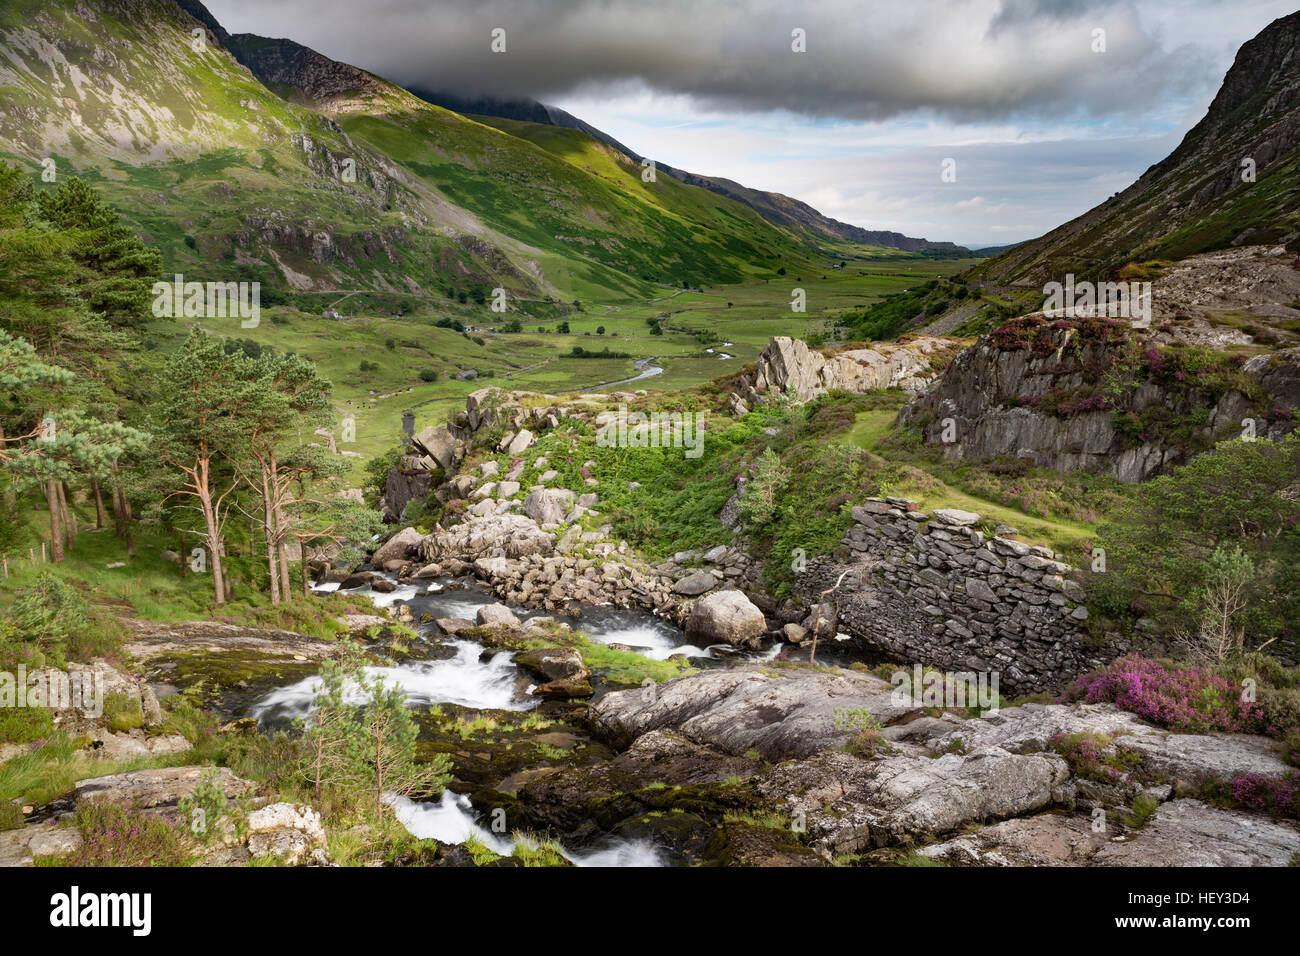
(1233, 180)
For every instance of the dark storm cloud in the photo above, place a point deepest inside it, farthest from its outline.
(966, 59)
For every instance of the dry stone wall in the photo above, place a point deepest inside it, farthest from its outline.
(933, 589)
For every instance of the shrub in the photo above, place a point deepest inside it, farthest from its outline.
(113, 836)
(25, 725)
(1189, 700)
(1276, 796)
(52, 615)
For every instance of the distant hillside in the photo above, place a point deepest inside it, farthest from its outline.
(262, 159)
(1195, 200)
(776, 208)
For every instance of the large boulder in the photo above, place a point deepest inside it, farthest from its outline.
(562, 669)
(726, 617)
(399, 547)
(781, 714)
(496, 615)
(292, 834)
(694, 584)
(439, 444)
(549, 506)
(165, 786)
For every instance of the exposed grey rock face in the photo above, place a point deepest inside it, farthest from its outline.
(409, 481)
(399, 547)
(1189, 833)
(143, 789)
(1048, 839)
(790, 714)
(292, 834)
(927, 777)
(694, 584)
(789, 366)
(439, 444)
(549, 506)
(851, 804)
(1185, 759)
(726, 616)
(987, 404)
(23, 846)
(562, 670)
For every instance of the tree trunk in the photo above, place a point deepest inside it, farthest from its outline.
(272, 556)
(56, 526)
(211, 527)
(306, 572)
(277, 512)
(99, 503)
(69, 518)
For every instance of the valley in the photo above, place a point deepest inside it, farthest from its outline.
(550, 513)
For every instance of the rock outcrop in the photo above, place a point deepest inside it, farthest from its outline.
(1032, 390)
(988, 791)
(788, 366)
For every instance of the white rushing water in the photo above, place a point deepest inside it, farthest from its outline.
(452, 820)
(466, 679)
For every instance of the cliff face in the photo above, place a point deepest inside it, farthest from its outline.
(789, 366)
(1086, 394)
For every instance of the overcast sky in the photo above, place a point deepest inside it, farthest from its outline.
(1041, 125)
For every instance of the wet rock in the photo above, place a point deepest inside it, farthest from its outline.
(562, 669)
(726, 617)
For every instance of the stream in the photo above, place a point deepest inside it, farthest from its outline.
(445, 669)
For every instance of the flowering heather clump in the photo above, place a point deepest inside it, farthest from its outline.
(112, 836)
(1190, 700)
(1277, 796)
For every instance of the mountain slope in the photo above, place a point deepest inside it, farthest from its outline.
(588, 225)
(776, 208)
(1195, 200)
(228, 179)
